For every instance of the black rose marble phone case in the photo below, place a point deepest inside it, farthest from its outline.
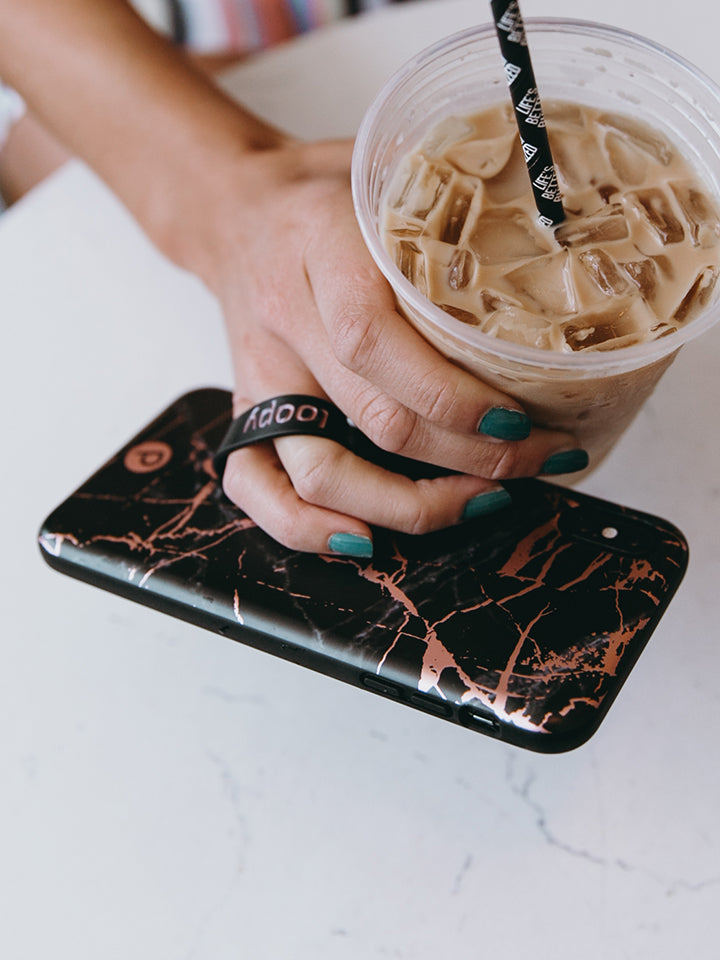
(522, 625)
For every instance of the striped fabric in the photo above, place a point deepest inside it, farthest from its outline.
(241, 26)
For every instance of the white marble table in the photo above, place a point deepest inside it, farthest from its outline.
(170, 795)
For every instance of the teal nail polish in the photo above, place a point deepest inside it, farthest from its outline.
(350, 544)
(505, 424)
(566, 461)
(484, 503)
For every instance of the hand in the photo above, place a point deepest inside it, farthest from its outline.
(307, 312)
(269, 226)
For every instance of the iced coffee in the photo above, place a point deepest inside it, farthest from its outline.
(577, 322)
(636, 257)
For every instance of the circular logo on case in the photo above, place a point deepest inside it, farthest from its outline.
(148, 456)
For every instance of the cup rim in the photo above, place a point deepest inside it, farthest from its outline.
(597, 362)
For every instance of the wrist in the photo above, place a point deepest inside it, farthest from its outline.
(200, 183)
(156, 130)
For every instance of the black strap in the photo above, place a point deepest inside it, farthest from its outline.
(296, 413)
(292, 413)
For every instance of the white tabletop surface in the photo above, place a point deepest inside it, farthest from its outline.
(170, 795)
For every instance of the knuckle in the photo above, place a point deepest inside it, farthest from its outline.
(288, 531)
(426, 508)
(312, 472)
(355, 338)
(232, 484)
(389, 425)
(419, 520)
(325, 196)
(438, 399)
(503, 460)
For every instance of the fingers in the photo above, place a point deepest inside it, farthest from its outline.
(370, 338)
(267, 364)
(313, 495)
(513, 449)
(326, 473)
(325, 302)
(396, 428)
(256, 480)
(400, 391)
(308, 313)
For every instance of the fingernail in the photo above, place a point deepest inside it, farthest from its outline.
(484, 503)
(566, 461)
(505, 424)
(350, 544)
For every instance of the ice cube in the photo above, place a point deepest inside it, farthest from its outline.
(604, 272)
(512, 181)
(504, 235)
(698, 296)
(628, 162)
(422, 190)
(662, 329)
(411, 262)
(699, 212)
(455, 214)
(644, 274)
(464, 315)
(640, 136)
(492, 300)
(563, 112)
(518, 326)
(402, 183)
(655, 210)
(604, 226)
(545, 284)
(606, 191)
(448, 131)
(445, 269)
(461, 270)
(579, 160)
(482, 158)
(406, 230)
(599, 330)
(664, 265)
(505, 318)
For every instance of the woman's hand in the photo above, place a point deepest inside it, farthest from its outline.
(308, 312)
(267, 222)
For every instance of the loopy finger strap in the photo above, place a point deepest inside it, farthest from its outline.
(292, 413)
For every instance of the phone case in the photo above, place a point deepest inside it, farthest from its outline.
(522, 625)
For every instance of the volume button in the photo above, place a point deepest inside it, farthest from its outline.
(431, 704)
(381, 686)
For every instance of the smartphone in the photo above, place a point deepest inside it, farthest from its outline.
(522, 625)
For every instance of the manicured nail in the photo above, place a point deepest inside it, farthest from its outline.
(505, 424)
(566, 461)
(351, 544)
(488, 502)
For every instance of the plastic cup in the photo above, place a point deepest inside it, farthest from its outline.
(593, 395)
